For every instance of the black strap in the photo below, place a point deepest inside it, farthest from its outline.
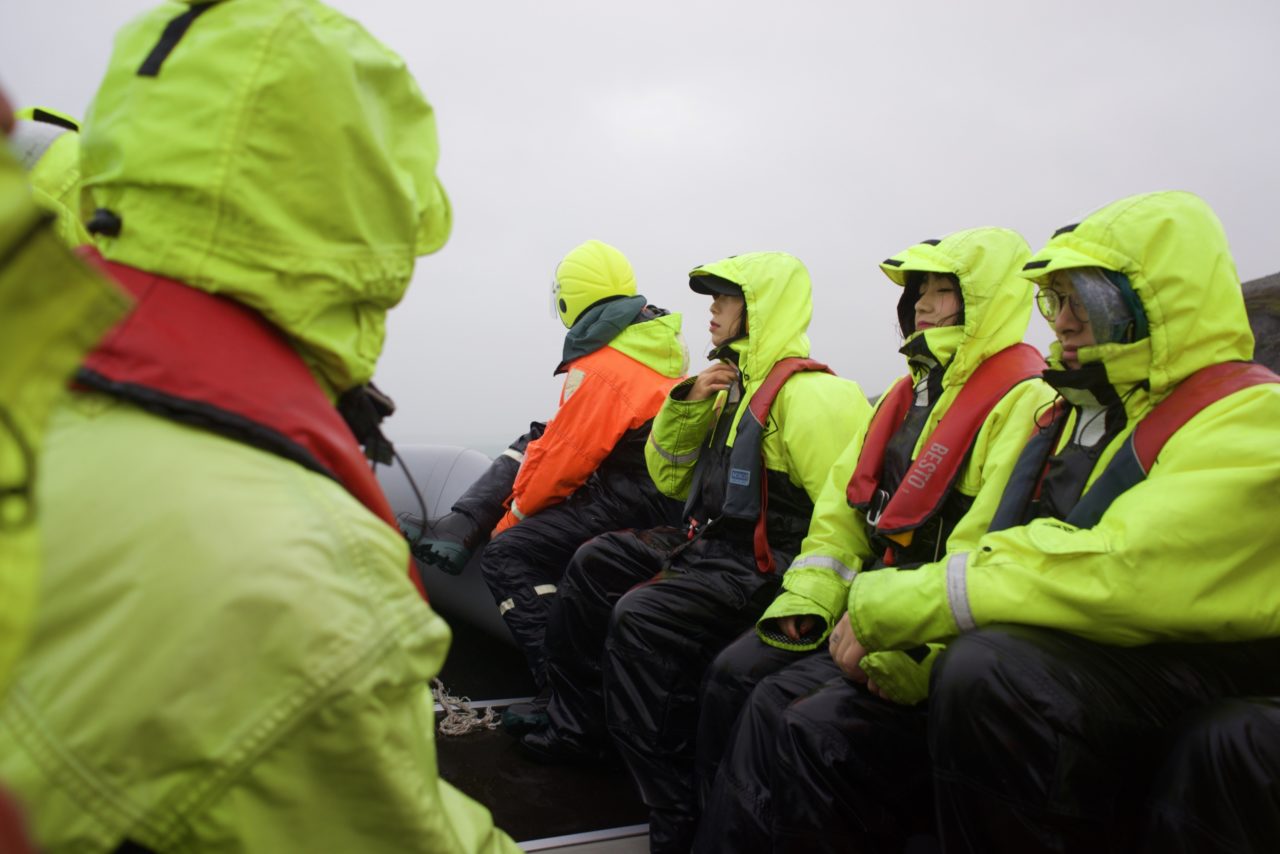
(48, 118)
(1027, 473)
(173, 33)
(205, 416)
(128, 846)
(364, 408)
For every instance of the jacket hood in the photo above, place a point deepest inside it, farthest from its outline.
(646, 333)
(997, 300)
(779, 303)
(655, 340)
(277, 154)
(1173, 249)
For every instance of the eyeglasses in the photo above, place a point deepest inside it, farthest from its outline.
(1050, 304)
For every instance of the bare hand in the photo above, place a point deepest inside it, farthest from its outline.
(797, 626)
(847, 651)
(713, 379)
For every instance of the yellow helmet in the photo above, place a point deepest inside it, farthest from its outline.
(591, 272)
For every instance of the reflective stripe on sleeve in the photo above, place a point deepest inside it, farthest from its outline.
(515, 510)
(958, 591)
(505, 605)
(674, 459)
(518, 456)
(823, 562)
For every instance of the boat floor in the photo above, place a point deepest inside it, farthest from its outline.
(563, 808)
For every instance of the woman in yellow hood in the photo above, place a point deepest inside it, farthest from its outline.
(1108, 612)
(963, 312)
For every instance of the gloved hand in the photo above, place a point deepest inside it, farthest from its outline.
(446, 543)
(902, 677)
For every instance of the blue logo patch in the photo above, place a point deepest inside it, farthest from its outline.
(740, 477)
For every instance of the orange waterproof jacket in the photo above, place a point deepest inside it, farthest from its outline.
(618, 388)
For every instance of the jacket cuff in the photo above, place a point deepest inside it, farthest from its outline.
(902, 608)
(790, 604)
(823, 590)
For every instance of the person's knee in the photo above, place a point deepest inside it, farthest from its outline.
(1228, 732)
(632, 616)
(501, 563)
(738, 663)
(992, 670)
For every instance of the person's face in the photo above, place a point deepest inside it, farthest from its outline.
(938, 303)
(1070, 320)
(726, 318)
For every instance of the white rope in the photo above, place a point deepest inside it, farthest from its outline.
(458, 717)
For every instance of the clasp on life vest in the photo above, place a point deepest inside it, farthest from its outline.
(691, 530)
(875, 507)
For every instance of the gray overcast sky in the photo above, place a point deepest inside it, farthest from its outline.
(685, 131)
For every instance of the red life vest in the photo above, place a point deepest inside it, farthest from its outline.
(933, 472)
(1134, 459)
(746, 460)
(13, 829)
(1137, 455)
(208, 361)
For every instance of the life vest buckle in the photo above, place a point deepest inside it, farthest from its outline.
(875, 507)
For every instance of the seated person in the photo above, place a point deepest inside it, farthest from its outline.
(229, 652)
(1123, 590)
(747, 445)
(52, 309)
(584, 473)
(924, 479)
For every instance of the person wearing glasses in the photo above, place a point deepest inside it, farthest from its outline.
(923, 479)
(1104, 638)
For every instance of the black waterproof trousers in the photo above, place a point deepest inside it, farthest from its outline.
(1219, 787)
(726, 685)
(816, 763)
(1044, 741)
(484, 501)
(524, 565)
(661, 639)
(601, 571)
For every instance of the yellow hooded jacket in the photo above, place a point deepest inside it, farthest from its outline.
(229, 655)
(52, 309)
(997, 309)
(1185, 555)
(812, 413)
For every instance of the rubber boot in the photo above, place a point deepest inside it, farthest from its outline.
(520, 718)
(448, 542)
